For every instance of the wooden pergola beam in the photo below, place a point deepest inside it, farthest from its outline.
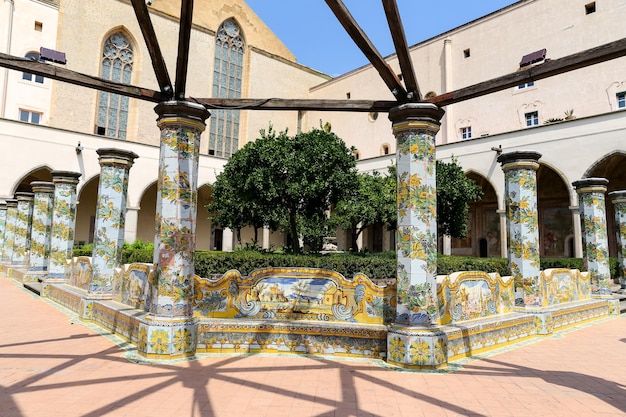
(184, 36)
(549, 68)
(402, 49)
(365, 45)
(297, 104)
(76, 78)
(149, 36)
(606, 52)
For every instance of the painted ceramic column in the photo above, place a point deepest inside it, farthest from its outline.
(108, 236)
(23, 223)
(415, 127)
(42, 226)
(63, 222)
(618, 198)
(169, 330)
(9, 231)
(411, 341)
(3, 222)
(594, 232)
(522, 219)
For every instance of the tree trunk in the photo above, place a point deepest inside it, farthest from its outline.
(293, 226)
(354, 234)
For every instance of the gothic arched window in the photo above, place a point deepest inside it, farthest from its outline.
(227, 76)
(117, 65)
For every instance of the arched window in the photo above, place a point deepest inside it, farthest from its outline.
(117, 65)
(27, 75)
(384, 149)
(227, 76)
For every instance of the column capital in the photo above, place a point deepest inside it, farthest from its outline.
(618, 196)
(424, 116)
(24, 196)
(116, 157)
(68, 177)
(11, 203)
(519, 159)
(3, 205)
(590, 185)
(44, 187)
(181, 112)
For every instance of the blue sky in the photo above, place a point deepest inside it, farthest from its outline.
(313, 34)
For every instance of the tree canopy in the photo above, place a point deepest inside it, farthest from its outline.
(455, 192)
(285, 182)
(372, 202)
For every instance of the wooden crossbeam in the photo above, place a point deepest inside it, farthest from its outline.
(184, 36)
(549, 68)
(606, 52)
(365, 45)
(297, 104)
(149, 36)
(72, 77)
(402, 49)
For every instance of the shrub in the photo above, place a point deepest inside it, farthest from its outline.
(449, 264)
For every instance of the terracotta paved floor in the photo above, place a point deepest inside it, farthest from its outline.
(51, 367)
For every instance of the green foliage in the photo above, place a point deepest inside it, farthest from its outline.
(139, 245)
(577, 263)
(449, 264)
(455, 192)
(372, 202)
(285, 182)
(347, 264)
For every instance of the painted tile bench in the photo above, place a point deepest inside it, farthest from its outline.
(293, 310)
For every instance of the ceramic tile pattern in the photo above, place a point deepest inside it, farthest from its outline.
(619, 204)
(9, 230)
(110, 215)
(41, 226)
(594, 232)
(520, 176)
(63, 221)
(22, 226)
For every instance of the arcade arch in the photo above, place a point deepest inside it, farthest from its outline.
(43, 173)
(611, 167)
(484, 235)
(556, 227)
(86, 211)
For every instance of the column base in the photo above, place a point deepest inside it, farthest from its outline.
(417, 348)
(614, 308)
(86, 305)
(167, 338)
(35, 276)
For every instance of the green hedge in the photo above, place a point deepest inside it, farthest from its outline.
(449, 264)
(374, 265)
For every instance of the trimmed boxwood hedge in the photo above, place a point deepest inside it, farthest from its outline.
(374, 265)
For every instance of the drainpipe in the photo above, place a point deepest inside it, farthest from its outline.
(8, 9)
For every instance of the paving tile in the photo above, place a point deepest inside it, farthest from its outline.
(51, 364)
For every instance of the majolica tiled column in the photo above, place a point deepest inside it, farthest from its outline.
(40, 232)
(522, 218)
(3, 222)
(115, 166)
(169, 330)
(9, 231)
(618, 198)
(23, 223)
(63, 222)
(411, 341)
(594, 232)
